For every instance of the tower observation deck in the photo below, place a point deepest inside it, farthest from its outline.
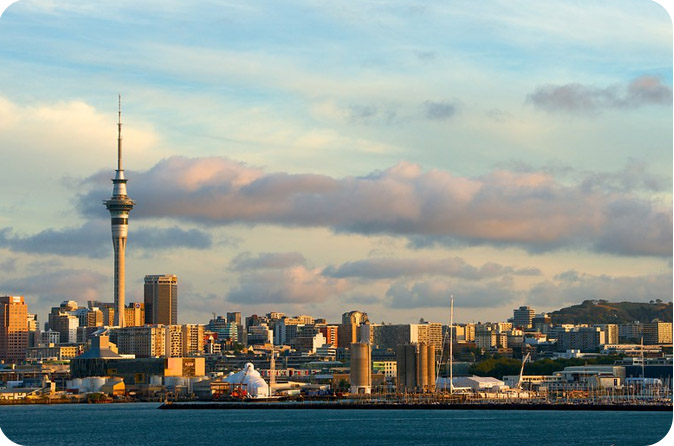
(119, 206)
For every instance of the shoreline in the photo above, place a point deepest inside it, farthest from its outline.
(413, 406)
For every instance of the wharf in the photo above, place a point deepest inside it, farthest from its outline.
(372, 405)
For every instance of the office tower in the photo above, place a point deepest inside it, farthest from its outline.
(523, 316)
(234, 317)
(119, 206)
(33, 330)
(65, 320)
(161, 299)
(107, 308)
(348, 330)
(13, 329)
(134, 314)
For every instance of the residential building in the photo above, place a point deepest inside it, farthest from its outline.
(657, 332)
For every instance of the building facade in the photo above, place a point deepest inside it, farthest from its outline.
(161, 299)
(13, 329)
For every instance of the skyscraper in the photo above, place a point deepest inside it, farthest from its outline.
(119, 206)
(13, 329)
(161, 299)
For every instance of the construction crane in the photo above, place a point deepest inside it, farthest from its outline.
(519, 381)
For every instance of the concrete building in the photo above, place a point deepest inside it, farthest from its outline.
(585, 339)
(331, 333)
(611, 335)
(224, 328)
(161, 299)
(348, 332)
(523, 317)
(134, 314)
(65, 320)
(119, 206)
(193, 339)
(234, 317)
(657, 332)
(309, 343)
(13, 329)
(144, 342)
(391, 335)
(630, 333)
(50, 337)
(387, 368)
(260, 334)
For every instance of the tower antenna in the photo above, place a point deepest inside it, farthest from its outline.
(119, 134)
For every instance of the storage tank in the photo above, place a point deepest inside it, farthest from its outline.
(401, 377)
(431, 368)
(361, 368)
(97, 382)
(411, 367)
(422, 367)
(155, 380)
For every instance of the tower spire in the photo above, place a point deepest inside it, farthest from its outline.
(119, 206)
(119, 134)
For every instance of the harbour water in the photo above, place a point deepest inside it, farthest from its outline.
(143, 424)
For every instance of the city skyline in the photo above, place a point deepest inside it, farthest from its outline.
(290, 158)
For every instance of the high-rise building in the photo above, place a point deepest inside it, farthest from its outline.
(65, 320)
(134, 314)
(330, 332)
(523, 316)
(33, 330)
(13, 329)
(119, 206)
(234, 317)
(657, 332)
(349, 329)
(161, 299)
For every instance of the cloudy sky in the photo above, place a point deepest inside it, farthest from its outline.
(317, 158)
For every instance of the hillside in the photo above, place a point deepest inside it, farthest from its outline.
(604, 312)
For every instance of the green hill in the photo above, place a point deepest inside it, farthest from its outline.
(604, 312)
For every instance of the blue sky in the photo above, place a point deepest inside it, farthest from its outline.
(375, 156)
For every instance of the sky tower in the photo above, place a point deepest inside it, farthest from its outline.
(119, 206)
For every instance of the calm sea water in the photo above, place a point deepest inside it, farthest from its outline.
(143, 424)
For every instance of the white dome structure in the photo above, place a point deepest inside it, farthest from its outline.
(255, 385)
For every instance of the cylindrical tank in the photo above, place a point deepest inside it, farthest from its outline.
(431, 368)
(410, 367)
(361, 379)
(96, 383)
(401, 368)
(422, 367)
(75, 383)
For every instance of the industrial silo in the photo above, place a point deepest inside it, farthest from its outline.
(422, 367)
(411, 367)
(361, 364)
(431, 368)
(401, 374)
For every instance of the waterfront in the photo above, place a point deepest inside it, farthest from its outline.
(142, 423)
